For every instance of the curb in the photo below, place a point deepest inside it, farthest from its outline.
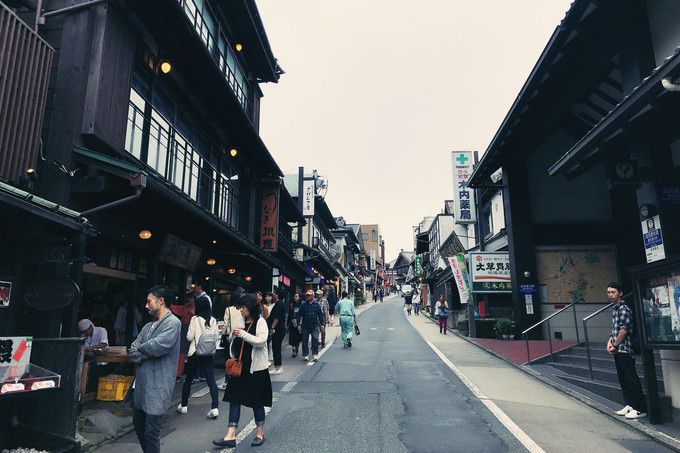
(658, 436)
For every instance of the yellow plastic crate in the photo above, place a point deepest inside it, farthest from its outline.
(113, 387)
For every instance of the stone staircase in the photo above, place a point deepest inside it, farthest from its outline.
(571, 367)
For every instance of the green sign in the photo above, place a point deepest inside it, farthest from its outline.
(418, 267)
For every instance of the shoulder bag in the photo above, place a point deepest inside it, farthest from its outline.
(234, 366)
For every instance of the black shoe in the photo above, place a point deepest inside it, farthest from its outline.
(231, 443)
(349, 343)
(257, 442)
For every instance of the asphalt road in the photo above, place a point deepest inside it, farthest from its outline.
(388, 393)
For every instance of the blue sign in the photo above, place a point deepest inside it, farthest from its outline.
(527, 289)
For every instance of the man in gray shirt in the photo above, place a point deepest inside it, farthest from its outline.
(323, 303)
(155, 351)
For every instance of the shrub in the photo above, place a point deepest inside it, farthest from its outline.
(504, 326)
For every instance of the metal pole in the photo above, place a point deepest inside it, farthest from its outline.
(526, 338)
(578, 340)
(550, 341)
(590, 362)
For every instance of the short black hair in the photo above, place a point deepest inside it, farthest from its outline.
(344, 294)
(616, 285)
(162, 292)
(248, 301)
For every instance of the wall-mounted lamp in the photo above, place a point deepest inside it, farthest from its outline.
(165, 66)
(233, 152)
(527, 274)
(238, 47)
(211, 261)
(248, 278)
(145, 234)
(231, 270)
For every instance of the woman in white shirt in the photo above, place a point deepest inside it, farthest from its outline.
(441, 312)
(202, 336)
(253, 388)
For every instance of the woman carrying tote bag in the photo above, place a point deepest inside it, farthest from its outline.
(203, 336)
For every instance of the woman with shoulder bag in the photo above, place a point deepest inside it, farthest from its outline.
(249, 382)
(202, 336)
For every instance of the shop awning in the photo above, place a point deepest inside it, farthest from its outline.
(639, 101)
(45, 209)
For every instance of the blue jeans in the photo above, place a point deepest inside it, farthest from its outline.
(148, 430)
(416, 309)
(305, 341)
(235, 415)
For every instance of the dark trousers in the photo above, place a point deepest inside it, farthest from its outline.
(204, 363)
(148, 430)
(630, 382)
(276, 348)
(305, 341)
(442, 325)
(235, 415)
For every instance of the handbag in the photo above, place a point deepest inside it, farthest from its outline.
(233, 366)
(356, 329)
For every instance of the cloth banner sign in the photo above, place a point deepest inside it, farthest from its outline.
(269, 219)
(460, 275)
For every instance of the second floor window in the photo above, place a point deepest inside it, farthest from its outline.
(374, 237)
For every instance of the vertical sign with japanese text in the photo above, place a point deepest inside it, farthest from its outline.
(308, 194)
(464, 196)
(459, 270)
(269, 219)
(653, 239)
(417, 266)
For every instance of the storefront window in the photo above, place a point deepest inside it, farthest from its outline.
(660, 297)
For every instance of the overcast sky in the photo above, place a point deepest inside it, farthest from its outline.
(377, 93)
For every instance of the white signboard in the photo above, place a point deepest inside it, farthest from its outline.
(308, 198)
(490, 272)
(459, 277)
(529, 303)
(464, 196)
(653, 239)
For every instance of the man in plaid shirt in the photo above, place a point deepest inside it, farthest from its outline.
(619, 345)
(310, 321)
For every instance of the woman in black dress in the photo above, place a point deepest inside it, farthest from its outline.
(253, 388)
(294, 335)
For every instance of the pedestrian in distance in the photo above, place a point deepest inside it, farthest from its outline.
(441, 313)
(268, 303)
(408, 302)
(155, 352)
(323, 303)
(332, 301)
(382, 294)
(277, 330)
(202, 336)
(293, 332)
(620, 345)
(184, 309)
(416, 302)
(232, 320)
(253, 387)
(348, 316)
(310, 322)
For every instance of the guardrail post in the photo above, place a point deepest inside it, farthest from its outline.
(578, 340)
(526, 338)
(590, 363)
(550, 341)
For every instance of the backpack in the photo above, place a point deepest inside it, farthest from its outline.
(207, 342)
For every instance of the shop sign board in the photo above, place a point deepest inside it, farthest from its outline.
(417, 265)
(308, 197)
(269, 219)
(464, 196)
(180, 253)
(15, 351)
(5, 294)
(460, 275)
(652, 237)
(491, 272)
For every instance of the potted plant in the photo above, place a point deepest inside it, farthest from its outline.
(505, 328)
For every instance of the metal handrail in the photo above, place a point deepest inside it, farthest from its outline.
(526, 337)
(585, 331)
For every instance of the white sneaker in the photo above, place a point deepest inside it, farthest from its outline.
(275, 371)
(213, 413)
(222, 386)
(182, 409)
(633, 414)
(316, 357)
(624, 411)
(305, 358)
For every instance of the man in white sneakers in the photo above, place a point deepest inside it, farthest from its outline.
(620, 346)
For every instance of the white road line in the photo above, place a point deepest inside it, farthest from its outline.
(288, 387)
(502, 417)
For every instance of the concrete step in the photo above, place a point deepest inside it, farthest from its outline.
(601, 362)
(606, 375)
(598, 350)
(606, 390)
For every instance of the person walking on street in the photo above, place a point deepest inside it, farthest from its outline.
(253, 388)
(199, 293)
(620, 346)
(408, 302)
(203, 337)
(416, 302)
(293, 332)
(155, 352)
(323, 303)
(332, 301)
(382, 294)
(310, 322)
(267, 306)
(277, 330)
(348, 316)
(441, 312)
(232, 320)
(184, 312)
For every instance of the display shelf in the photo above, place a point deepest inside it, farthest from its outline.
(27, 378)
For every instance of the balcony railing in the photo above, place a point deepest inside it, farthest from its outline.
(221, 52)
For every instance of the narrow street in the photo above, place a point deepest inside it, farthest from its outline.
(392, 393)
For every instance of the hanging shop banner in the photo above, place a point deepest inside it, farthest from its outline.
(308, 198)
(490, 272)
(653, 239)
(464, 196)
(460, 275)
(269, 219)
(417, 265)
